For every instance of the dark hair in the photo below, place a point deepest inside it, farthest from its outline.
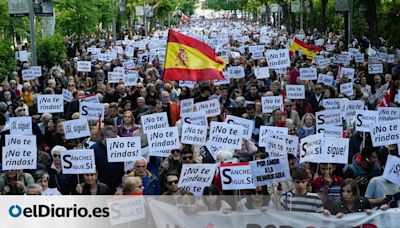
(2, 119)
(250, 107)
(187, 149)
(299, 174)
(353, 185)
(212, 190)
(367, 152)
(152, 102)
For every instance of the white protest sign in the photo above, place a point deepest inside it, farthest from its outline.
(27, 75)
(359, 57)
(275, 148)
(257, 55)
(330, 47)
(94, 51)
(256, 48)
(20, 140)
(21, 125)
(91, 111)
(67, 95)
(269, 104)
(261, 72)
(390, 58)
(270, 171)
(78, 161)
(346, 89)
(295, 92)
(186, 106)
(196, 118)
(50, 103)
(74, 129)
(351, 107)
(341, 59)
(389, 113)
(131, 77)
(248, 125)
(379, 92)
(36, 71)
(84, 66)
(333, 103)
(154, 121)
(123, 149)
(189, 84)
(268, 131)
(349, 72)
(375, 68)
(194, 134)
(385, 133)
(308, 73)
(236, 176)
(335, 150)
(93, 98)
(392, 170)
(278, 58)
(291, 141)
(126, 209)
(319, 42)
(330, 131)
(211, 107)
(325, 79)
(222, 82)
(166, 138)
(114, 77)
(226, 135)
(195, 177)
(310, 148)
(329, 117)
(19, 157)
(160, 153)
(236, 72)
(364, 120)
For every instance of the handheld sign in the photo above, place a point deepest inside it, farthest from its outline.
(351, 107)
(330, 131)
(275, 148)
(291, 142)
(67, 95)
(364, 120)
(74, 129)
(27, 75)
(385, 133)
(389, 114)
(154, 121)
(163, 139)
(375, 68)
(236, 176)
(278, 58)
(236, 72)
(21, 125)
(131, 77)
(268, 131)
(211, 107)
(261, 72)
(325, 79)
(196, 118)
(335, 150)
(84, 66)
(329, 117)
(392, 170)
(194, 134)
(346, 89)
(269, 104)
(310, 148)
(36, 71)
(21, 140)
(186, 106)
(78, 161)
(195, 177)
(91, 111)
(93, 98)
(123, 149)
(308, 74)
(248, 125)
(160, 153)
(50, 103)
(295, 92)
(19, 157)
(270, 171)
(226, 135)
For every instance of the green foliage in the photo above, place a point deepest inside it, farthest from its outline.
(389, 28)
(7, 56)
(51, 50)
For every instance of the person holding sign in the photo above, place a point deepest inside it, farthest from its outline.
(63, 182)
(92, 186)
(14, 182)
(151, 184)
(128, 127)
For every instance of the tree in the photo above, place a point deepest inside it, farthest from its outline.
(7, 56)
(51, 50)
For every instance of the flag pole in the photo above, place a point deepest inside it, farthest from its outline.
(166, 54)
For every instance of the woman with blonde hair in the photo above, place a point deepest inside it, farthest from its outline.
(128, 126)
(307, 125)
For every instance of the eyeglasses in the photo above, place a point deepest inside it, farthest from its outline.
(187, 158)
(176, 152)
(173, 182)
(56, 155)
(259, 192)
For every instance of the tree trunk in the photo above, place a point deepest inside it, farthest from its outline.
(372, 21)
(324, 6)
(312, 16)
(286, 13)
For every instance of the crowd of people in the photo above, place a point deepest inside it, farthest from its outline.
(323, 188)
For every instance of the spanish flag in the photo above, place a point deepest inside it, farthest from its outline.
(309, 50)
(190, 60)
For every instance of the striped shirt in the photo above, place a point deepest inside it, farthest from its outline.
(310, 202)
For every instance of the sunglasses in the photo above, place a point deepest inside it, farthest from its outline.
(173, 182)
(175, 151)
(56, 155)
(187, 158)
(258, 192)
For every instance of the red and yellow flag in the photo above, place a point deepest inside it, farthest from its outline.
(190, 60)
(309, 50)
